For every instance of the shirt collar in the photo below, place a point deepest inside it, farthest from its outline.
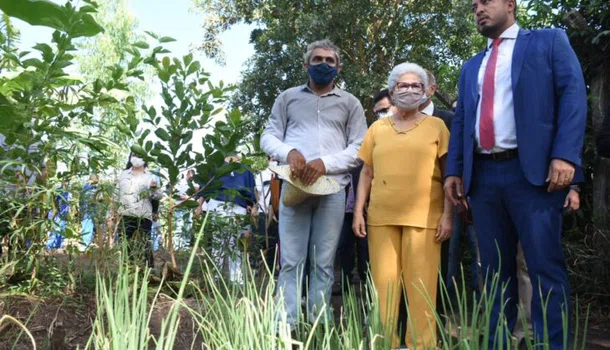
(429, 110)
(511, 32)
(335, 91)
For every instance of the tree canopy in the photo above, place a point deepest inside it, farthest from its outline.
(373, 37)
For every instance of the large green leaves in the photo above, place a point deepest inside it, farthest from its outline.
(77, 23)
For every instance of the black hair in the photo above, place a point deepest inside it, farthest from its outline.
(385, 93)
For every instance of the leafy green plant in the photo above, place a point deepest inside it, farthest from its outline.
(75, 22)
(51, 120)
(190, 103)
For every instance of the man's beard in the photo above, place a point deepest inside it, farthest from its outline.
(490, 30)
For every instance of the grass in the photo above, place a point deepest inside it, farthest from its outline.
(225, 315)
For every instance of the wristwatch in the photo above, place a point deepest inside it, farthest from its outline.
(575, 188)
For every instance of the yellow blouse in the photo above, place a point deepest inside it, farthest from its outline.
(407, 188)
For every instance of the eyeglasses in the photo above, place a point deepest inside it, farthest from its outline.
(406, 86)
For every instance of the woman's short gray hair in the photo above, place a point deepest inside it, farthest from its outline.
(405, 68)
(322, 44)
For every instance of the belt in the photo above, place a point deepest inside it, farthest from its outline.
(505, 155)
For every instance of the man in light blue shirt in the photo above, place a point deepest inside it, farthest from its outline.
(317, 129)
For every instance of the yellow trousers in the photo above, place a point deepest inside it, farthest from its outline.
(409, 256)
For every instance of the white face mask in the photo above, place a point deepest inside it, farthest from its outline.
(424, 99)
(383, 114)
(137, 162)
(407, 100)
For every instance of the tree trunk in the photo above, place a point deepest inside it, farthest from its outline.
(600, 91)
(170, 236)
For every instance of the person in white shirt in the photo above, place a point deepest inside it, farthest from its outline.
(137, 188)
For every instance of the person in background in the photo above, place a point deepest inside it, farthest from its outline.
(137, 189)
(382, 104)
(352, 249)
(316, 129)
(428, 107)
(155, 232)
(60, 216)
(450, 249)
(88, 211)
(408, 216)
(515, 149)
(183, 217)
(233, 202)
(603, 137)
(156, 235)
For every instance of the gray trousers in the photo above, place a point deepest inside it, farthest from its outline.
(310, 229)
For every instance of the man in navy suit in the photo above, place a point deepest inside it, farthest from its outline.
(515, 147)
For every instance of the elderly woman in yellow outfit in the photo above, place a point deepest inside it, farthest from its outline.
(408, 216)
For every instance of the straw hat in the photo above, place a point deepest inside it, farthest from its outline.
(296, 192)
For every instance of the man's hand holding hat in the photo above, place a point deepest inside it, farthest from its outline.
(296, 191)
(313, 171)
(297, 163)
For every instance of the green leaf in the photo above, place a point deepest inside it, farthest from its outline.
(151, 34)
(166, 39)
(187, 59)
(189, 204)
(49, 14)
(235, 116)
(32, 62)
(166, 62)
(88, 8)
(165, 160)
(46, 51)
(177, 63)
(140, 44)
(173, 172)
(123, 129)
(162, 134)
(164, 76)
(144, 135)
(152, 112)
(137, 149)
(194, 68)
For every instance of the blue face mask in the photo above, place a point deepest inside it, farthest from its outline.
(322, 74)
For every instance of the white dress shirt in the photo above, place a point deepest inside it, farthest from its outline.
(505, 129)
(429, 110)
